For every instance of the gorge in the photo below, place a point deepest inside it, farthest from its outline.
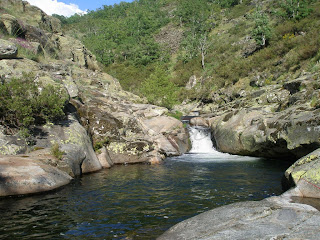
(63, 117)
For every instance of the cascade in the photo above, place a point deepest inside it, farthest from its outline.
(201, 140)
(203, 150)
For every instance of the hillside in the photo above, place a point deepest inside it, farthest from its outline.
(207, 44)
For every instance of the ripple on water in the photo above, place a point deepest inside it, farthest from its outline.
(139, 201)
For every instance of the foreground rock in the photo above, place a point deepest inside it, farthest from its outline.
(24, 175)
(272, 218)
(304, 174)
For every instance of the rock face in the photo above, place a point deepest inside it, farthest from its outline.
(276, 121)
(7, 50)
(290, 133)
(23, 175)
(304, 175)
(273, 218)
(78, 154)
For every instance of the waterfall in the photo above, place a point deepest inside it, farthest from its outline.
(203, 151)
(201, 140)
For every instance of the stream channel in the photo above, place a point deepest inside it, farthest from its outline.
(142, 201)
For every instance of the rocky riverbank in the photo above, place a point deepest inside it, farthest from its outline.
(281, 217)
(104, 125)
(279, 121)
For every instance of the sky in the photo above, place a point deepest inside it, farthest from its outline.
(70, 7)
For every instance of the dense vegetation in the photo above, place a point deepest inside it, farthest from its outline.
(154, 46)
(24, 103)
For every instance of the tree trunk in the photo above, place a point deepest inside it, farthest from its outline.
(202, 59)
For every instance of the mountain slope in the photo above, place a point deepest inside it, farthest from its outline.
(216, 42)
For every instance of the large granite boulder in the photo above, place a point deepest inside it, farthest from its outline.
(199, 121)
(304, 175)
(7, 50)
(25, 175)
(171, 137)
(73, 140)
(291, 133)
(68, 136)
(273, 218)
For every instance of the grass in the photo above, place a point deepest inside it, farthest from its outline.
(56, 152)
(175, 114)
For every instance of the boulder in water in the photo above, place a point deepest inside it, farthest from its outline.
(26, 175)
(199, 121)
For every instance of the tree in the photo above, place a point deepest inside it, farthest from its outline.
(261, 32)
(196, 16)
(296, 9)
(159, 90)
(203, 46)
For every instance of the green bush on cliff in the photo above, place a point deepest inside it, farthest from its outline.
(24, 103)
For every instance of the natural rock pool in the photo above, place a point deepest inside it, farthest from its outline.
(140, 201)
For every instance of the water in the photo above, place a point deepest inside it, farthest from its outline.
(140, 201)
(201, 140)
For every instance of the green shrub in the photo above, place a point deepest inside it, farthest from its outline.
(56, 152)
(99, 144)
(159, 90)
(175, 114)
(24, 103)
(261, 32)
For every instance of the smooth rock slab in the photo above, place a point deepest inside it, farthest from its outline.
(24, 175)
(273, 218)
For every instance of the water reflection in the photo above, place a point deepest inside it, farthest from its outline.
(139, 201)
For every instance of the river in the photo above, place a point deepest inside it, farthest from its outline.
(141, 201)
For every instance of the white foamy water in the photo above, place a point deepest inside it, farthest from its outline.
(203, 150)
(201, 140)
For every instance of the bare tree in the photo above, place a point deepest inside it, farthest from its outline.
(203, 47)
